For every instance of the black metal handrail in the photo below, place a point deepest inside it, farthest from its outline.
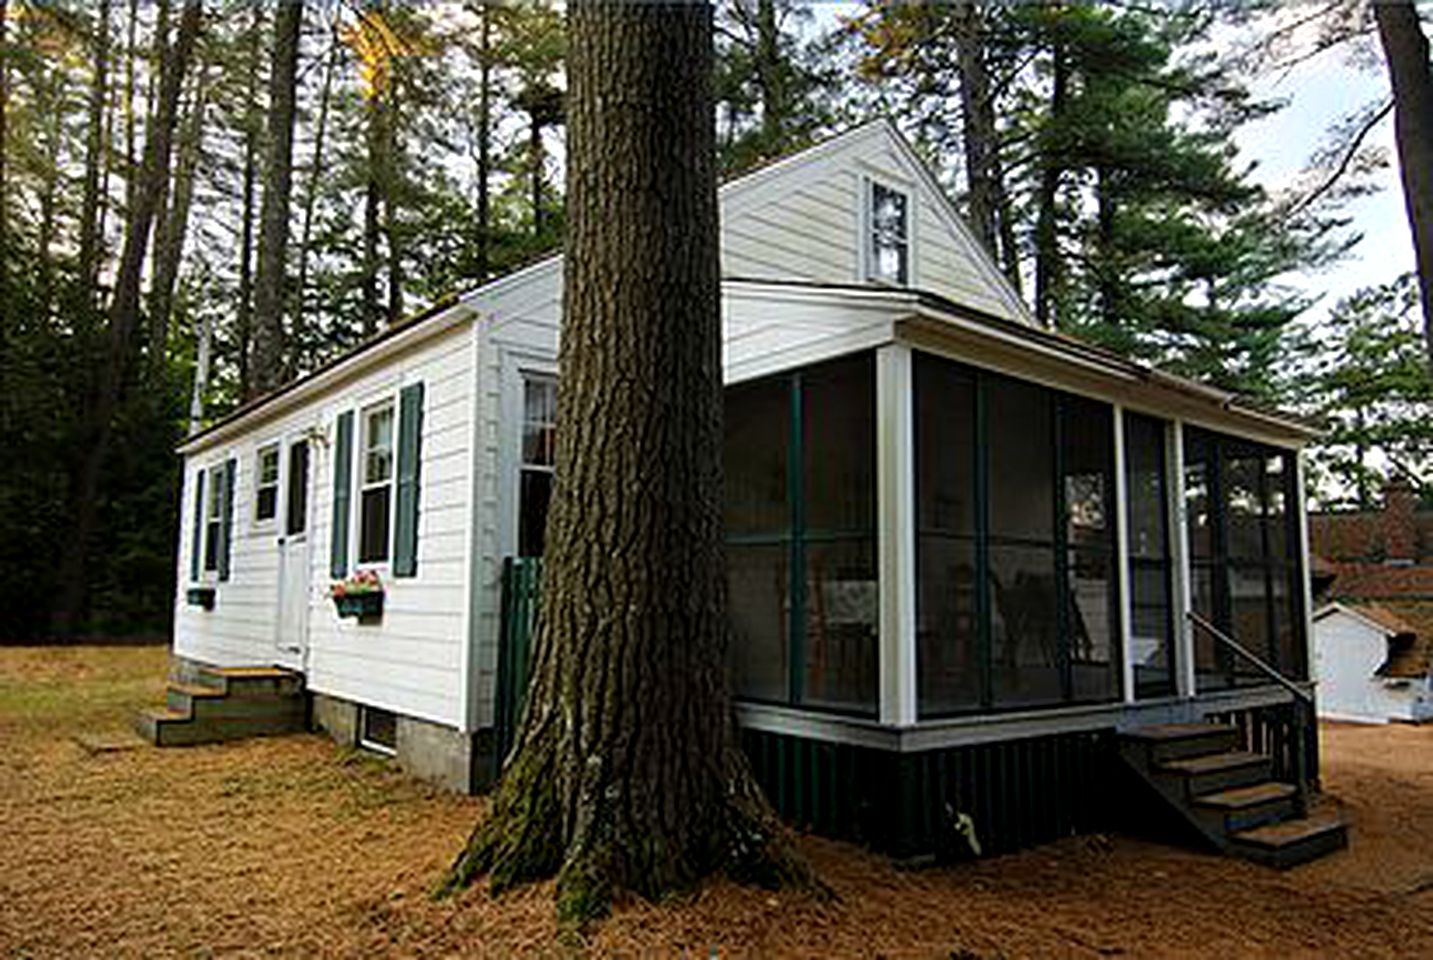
(1303, 706)
(1302, 692)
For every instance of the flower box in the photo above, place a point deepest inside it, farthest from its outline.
(367, 607)
(200, 597)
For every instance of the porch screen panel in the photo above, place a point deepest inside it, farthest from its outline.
(1024, 588)
(1147, 519)
(837, 530)
(1247, 566)
(948, 665)
(1016, 592)
(757, 516)
(800, 537)
(1087, 490)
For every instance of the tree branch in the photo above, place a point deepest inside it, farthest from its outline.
(1344, 162)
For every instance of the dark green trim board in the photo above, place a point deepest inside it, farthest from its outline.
(517, 628)
(196, 547)
(796, 504)
(226, 530)
(410, 433)
(342, 477)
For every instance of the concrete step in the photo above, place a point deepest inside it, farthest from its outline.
(253, 681)
(1293, 842)
(1243, 808)
(1214, 772)
(1177, 741)
(183, 696)
(228, 703)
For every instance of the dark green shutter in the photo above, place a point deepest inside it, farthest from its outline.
(196, 547)
(342, 471)
(410, 432)
(226, 533)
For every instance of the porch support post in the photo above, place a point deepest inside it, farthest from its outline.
(1121, 523)
(1179, 542)
(1305, 564)
(896, 563)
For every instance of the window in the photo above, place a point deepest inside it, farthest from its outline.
(376, 491)
(296, 520)
(1244, 556)
(800, 527)
(539, 458)
(888, 240)
(213, 518)
(1150, 569)
(379, 730)
(266, 483)
(1016, 594)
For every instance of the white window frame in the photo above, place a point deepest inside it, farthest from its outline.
(866, 241)
(276, 447)
(213, 514)
(527, 375)
(388, 399)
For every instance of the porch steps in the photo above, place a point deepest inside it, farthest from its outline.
(226, 703)
(1229, 795)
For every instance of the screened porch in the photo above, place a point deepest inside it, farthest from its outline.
(911, 538)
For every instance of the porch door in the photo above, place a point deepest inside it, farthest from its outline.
(294, 560)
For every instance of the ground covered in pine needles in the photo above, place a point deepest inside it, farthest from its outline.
(292, 846)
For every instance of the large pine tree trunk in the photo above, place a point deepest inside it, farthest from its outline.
(244, 318)
(485, 139)
(978, 126)
(124, 316)
(95, 146)
(169, 252)
(298, 332)
(4, 135)
(627, 773)
(1049, 272)
(269, 285)
(1406, 50)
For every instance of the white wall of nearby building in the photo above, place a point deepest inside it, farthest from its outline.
(1348, 651)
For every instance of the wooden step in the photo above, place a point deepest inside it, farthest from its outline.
(1293, 842)
(1242, 808)
(1211, 773)
(1174, 741)
(1238, 798)
(253, 681)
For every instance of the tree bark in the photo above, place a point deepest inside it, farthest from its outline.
(979, 124)
(1406, 50)
(627, 773)
(169, 253)
(269, 285)
(4, 139)
(124, 316)
(1048, 267)
(94, 161)
(298, 336)
(372, 203)
(244, 320)
(485, 141)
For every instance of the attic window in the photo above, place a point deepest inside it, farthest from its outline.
(888, 242)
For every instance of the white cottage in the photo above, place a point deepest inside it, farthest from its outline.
(962, 547)
(1372, 667)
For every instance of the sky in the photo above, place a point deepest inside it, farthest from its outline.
(1318, 93)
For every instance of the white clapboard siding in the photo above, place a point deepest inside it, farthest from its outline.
(413, 661)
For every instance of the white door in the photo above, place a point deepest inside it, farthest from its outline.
(293, 599)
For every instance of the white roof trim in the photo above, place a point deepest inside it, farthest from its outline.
(1329, 609)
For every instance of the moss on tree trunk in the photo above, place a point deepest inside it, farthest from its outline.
(627, 775)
